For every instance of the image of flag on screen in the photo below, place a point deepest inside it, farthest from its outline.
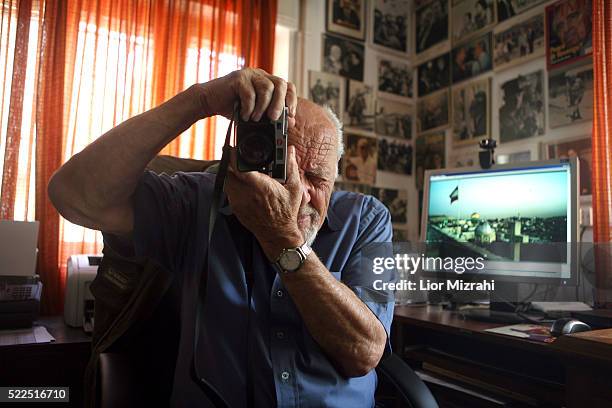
(454, 196)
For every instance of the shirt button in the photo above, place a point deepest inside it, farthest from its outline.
(285, 375)
(280, 334)
(280, 293)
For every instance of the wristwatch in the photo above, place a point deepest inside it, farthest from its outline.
(292, 259)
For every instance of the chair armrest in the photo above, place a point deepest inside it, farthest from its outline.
(117, 382)
(410, 386)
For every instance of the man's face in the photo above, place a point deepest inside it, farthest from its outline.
(315, 141)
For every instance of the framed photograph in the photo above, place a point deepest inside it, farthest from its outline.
(394, 78)
(519, 43)
(352, 187)
(471, 17)
(432, 112)
(360, 161)
(359, 112)
(327, 90)
(430, 24)
(395, 200)
(465, 157)
(569, 25)
(517, 153)
(570, 95)
(521, 107)
(393, 119)
(471, 59)
(574, 147)
(346, 17)
(509, 8)
(429, 155)
(434, 74)
(471, 111)
(400, 235)
(343, 57)
(394, 156)
(389, 23)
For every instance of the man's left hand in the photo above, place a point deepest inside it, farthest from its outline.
(266, 207)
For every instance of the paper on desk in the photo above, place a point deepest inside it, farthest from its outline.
(35, 334)
(525, 331)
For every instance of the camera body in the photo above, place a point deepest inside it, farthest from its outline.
(487, 155)
(262, 146)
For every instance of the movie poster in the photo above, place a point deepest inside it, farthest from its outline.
(569, 25)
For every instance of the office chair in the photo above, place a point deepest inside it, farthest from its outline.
(119, 387)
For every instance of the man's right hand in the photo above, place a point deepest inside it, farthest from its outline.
(257, 91)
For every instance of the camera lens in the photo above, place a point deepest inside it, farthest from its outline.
(256, 150)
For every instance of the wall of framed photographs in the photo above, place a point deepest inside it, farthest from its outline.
(419, 82)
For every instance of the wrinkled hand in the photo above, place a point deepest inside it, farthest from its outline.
(266, 207)
(257, 91)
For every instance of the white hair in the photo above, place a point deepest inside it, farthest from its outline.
(338, 127)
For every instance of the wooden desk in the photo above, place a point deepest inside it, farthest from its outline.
(60, 363)
(468, 367)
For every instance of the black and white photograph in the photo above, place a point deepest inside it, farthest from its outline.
(570, 95)
(434, 74)
(359, 111)
(470, 17)
(471, 114)
(429, 155)
(510, 8)
(346, 17)
(521, 107)
(464, 157)
(580, 147)
(327, 90)
(433, 112)
(360, 160)
(394, 78)
(395, 200)
(343, 57)
(352, 187)
(390, 19)
(519, 43)
(520, 156)
(400, 235)
(472, 58)
(393, 119)
(394, 155)
(431, 25)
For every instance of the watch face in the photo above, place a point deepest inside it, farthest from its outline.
(290, 260)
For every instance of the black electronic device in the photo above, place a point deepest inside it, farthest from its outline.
(567, 325)
(487, 155)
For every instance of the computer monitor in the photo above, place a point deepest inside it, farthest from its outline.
(522, 218)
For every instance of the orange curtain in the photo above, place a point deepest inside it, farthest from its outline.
(92, 64)
(602, 143)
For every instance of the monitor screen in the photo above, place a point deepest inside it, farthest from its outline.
(520, 219)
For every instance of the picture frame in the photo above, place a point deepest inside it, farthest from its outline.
(463, 157)
(570, 95)
(352, 187)
(577, 146)
(396, 202)
(395, 79)
(433, 112)
(347, 18)
(360, 160)
(471, 111)
(342, 56)
(470, 18)
(434, 75)
(568, 40)
(389, 25)
(519, 43)
(507, 9)
(360, 109)
(518, 152)
(429, 155)
(394, 119)
(521, 110)
(327, 89)
(395, 155)
(472, 58)
(431, 26)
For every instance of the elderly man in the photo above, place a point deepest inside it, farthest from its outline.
(305, 337)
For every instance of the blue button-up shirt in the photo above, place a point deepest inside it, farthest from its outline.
(271, 341)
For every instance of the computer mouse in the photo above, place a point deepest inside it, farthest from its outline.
(567, 325)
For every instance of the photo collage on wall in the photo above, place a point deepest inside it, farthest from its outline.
(465, 70)
(378, 116)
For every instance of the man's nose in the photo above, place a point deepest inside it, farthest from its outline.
(305, 189)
